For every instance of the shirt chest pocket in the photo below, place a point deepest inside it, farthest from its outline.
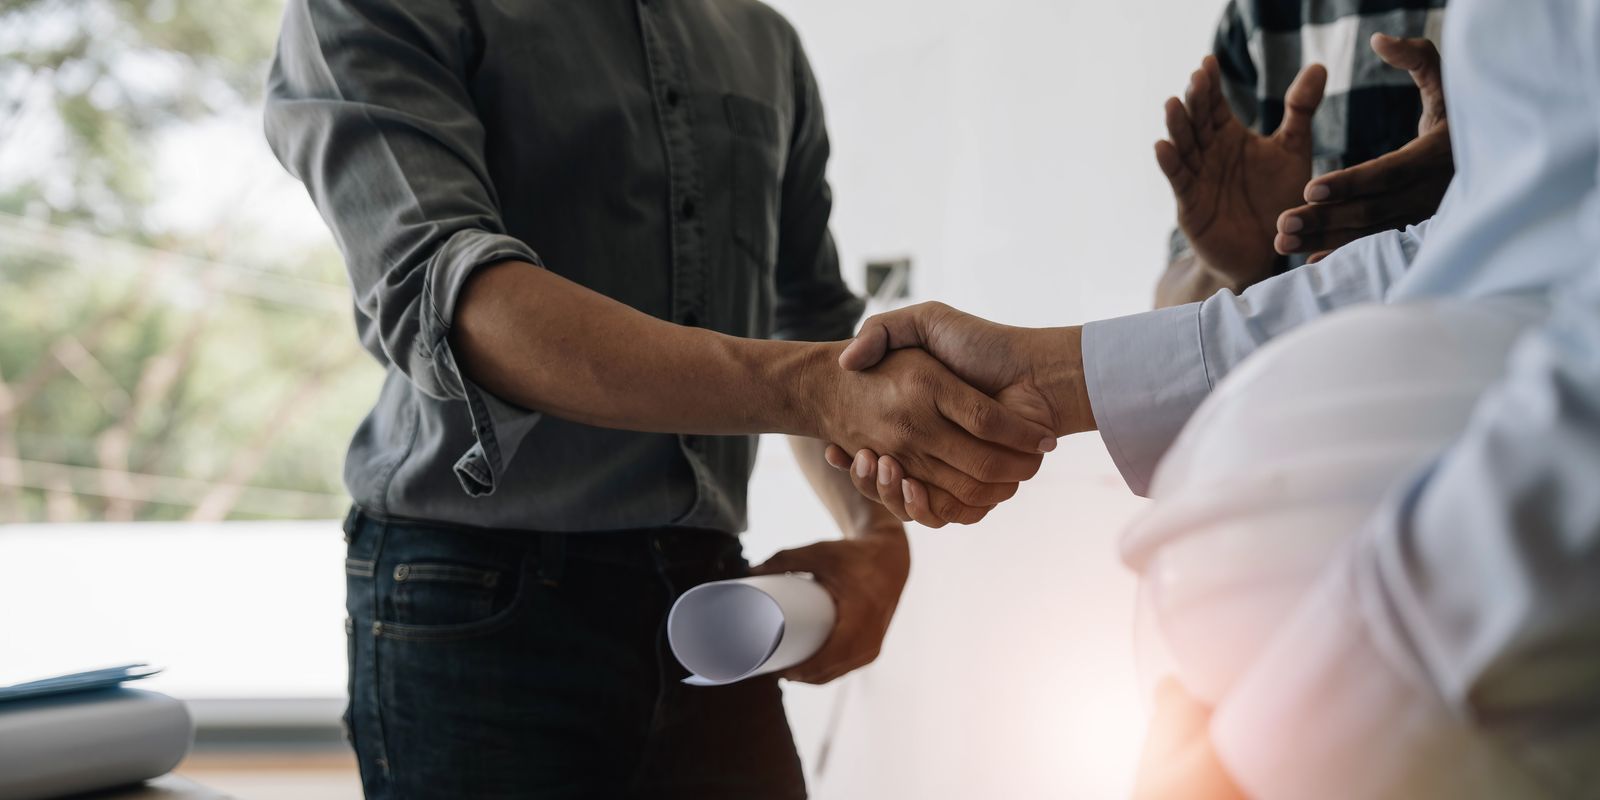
(756, 166)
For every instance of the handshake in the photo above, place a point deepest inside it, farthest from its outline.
(961, 410)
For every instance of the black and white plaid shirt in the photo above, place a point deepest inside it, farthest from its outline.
(1369, 107)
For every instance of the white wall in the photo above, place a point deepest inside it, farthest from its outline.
(1006, 145)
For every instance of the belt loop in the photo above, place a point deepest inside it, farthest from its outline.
(552, 558)
(352, 518)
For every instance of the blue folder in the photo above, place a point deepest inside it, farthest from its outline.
(107, 678)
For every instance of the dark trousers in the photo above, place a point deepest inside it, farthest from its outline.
(489, 664)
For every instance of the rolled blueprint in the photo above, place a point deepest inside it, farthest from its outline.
(66, 744)
(727, 631)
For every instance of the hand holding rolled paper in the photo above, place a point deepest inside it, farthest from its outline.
(727, 631)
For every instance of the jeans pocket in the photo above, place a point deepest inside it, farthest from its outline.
(429, 600)
(445, 594)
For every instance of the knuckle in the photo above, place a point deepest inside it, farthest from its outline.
(947, 507)
(973, 516)
(983, 466)
(1001, 492)
(927, 380)
(983, 418)
(969, 490)
(903, 428)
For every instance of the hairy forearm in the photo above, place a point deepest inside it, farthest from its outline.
(855, 514)
(545, 343)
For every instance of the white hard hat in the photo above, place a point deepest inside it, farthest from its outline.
(1290, 456)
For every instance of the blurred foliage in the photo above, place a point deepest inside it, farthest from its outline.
(149, 371)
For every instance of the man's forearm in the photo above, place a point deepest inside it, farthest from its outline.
(545, 343)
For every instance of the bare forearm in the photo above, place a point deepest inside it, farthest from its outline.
(1188, 279)
(855, 514)
(543, 342)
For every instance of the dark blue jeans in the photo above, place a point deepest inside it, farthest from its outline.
(489, 664)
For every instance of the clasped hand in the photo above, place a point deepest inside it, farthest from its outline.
(1010, 391)
(968, 449)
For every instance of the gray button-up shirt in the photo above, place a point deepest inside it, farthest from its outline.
(667, 153)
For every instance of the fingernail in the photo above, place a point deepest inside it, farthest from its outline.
(1318, 193)
(1293, 225)
(863, 465)
(905, 490)
(883, 470)
(1047, 444)
(1291, 243)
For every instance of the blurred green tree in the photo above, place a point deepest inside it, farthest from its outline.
(150, 370)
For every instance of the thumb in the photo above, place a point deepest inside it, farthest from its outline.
(799, 559)
(1300, 105)
(1411, 55)
(890, 330)
(1420, 58)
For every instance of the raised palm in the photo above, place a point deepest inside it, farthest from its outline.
(1230, 182)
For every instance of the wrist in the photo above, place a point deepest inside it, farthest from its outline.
(878, 525)
(1057, 354)
(805, 379)
(1209, 278)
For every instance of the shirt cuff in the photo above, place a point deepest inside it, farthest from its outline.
(1146, 375)
(498, 427)
(1331, 709)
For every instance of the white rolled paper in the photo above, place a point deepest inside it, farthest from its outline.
(86, 741)
(727, 631)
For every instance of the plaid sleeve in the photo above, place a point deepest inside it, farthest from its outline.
(1239, 75)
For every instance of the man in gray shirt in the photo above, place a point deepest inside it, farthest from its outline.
(571, 229)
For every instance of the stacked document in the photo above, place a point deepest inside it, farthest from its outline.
(86, 731)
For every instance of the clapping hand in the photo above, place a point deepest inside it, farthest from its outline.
(1402, 188)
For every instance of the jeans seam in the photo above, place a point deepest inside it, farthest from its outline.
(381, 748)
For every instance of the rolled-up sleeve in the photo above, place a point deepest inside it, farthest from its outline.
(813, 303)
(1147, 373)
(367, 105)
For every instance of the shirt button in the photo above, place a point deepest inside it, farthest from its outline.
(672, 98)
(688, 209)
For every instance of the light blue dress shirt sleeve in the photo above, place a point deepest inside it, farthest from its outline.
(1147, 373)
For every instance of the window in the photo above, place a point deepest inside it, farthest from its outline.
(178, 370)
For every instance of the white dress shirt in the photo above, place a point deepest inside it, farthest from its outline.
(1460, 630)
